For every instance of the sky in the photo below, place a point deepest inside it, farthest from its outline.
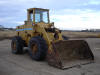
(66, 14)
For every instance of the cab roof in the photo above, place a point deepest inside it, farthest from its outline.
(30, 9)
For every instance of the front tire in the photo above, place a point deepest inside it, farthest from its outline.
(37, 48)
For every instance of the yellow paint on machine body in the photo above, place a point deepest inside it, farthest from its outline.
(38, 24)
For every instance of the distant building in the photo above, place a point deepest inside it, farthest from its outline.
(3, 28)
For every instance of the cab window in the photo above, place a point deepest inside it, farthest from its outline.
(41, 16)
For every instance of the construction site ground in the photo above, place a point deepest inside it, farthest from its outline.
(11, 64)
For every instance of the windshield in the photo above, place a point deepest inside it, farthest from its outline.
(41, 16)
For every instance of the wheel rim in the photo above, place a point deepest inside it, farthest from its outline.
(34, 48)
(14, 46)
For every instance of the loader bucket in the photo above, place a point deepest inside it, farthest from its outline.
(70, 53)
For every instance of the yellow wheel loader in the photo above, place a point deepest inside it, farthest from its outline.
(44, 41)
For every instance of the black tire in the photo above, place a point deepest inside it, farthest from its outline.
(17, 45)
(41, 49)
(64, 37)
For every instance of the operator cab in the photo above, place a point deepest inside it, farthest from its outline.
(37, 15)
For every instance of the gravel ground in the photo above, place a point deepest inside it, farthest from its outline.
(11, 64)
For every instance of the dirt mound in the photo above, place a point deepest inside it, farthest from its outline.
(8, 34)
(3, 38)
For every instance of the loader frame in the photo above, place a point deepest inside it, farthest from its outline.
(49, 33)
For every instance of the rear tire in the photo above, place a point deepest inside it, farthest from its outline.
(17, 45)
(37, 48)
